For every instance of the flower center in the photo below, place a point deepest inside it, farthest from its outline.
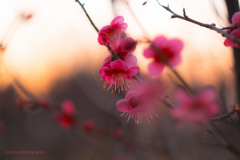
(134, 101)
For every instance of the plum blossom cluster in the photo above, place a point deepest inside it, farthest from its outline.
(118, 74)
(140, 102)
(67, 117)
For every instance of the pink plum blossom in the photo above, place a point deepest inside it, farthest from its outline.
(111, 34)
(67, 118)
(129, 59)
(139, 103)
(117, 75)
(163, 52)
(197, 108)
(236, 18)
(235, 31)
(228, 42)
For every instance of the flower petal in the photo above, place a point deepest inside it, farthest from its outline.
(155, 68)
(160, 42)
(133, 71)
(149, 53)
(175, 46)
(131, 94)
(130, 60)
(122, 105)
(236, 18)
(183, 97)
(102, 38)
(207, 94)
(118, 65)
(108, 58)
(175, 61)
(228, 42)
(117, 20)
(133, 111)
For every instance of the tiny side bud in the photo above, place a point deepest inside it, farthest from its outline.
(144, 3)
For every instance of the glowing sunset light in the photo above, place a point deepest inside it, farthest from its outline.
(58, 40)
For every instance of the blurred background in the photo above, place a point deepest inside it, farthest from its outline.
(55, 55)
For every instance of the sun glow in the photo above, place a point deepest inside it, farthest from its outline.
(59, 41)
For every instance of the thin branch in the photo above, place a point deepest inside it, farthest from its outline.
(227, 115)
(235, 26)
(82, 5)
(181, 79)
(209, 26)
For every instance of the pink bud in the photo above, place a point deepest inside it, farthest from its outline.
(128, 45)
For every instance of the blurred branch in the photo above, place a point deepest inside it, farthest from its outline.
(209, 26)
(136, 19)
(223, 116)
(227, 115)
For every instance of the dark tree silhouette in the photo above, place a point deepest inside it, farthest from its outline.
(232, 7)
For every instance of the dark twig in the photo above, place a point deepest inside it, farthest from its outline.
(181, 79)
(209, 26)
(227, 115)
(82, 5)
(235, 26)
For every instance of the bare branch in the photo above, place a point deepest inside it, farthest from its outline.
(209, 26)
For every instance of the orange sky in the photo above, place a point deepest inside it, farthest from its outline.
(59, 40)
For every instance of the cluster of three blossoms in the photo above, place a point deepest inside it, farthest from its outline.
(118, 73)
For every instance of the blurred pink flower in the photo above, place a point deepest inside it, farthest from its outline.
(197, 108)
(139, 103)
(117, 75)
(117, 134)
(111, 34)
(44, 103)
(66, 118)
(228, 42)
(20, 104)
(88, 125)
(236, 18)
(164, 52)
(235, 31)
